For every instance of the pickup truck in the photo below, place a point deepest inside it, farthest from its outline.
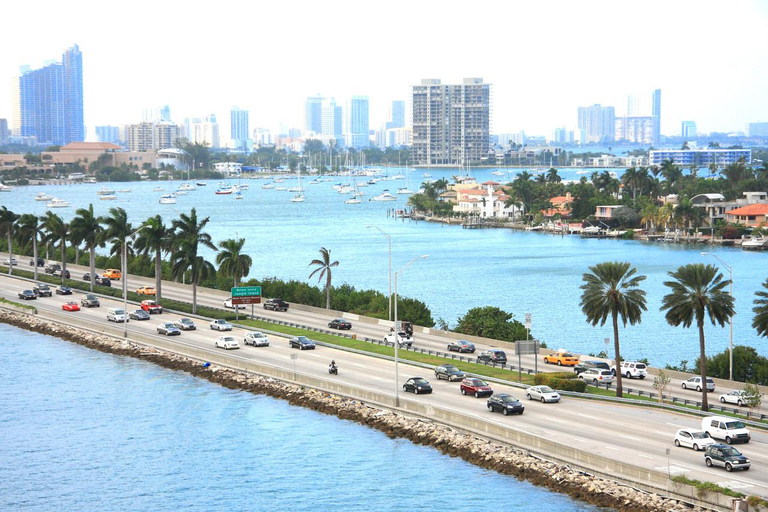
(403, 338)
(276, 305)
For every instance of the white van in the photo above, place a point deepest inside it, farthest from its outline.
(116, 315)
(729, 429)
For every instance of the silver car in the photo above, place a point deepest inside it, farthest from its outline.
(226, 342)
(168, 329)
(597, 376)
(738, 397)
(219, 324)
(695, 383)
(257, 339)
(542, 393)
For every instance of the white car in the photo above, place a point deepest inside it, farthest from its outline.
(228, 304)
(542, 393)
(738, 397)
(257, 339)
(402, 338)
(695, 383)
(632, 370)
(219, 324)
(693, 438)
(227, 342)
(10, 262)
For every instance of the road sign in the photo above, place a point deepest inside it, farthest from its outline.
(526, 348)
(246, 291)
(239, 301)
(528, 321)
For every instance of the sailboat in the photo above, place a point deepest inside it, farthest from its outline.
(299, 197)
(405, 189)
(357, 198)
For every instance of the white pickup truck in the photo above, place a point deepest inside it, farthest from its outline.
(402, 338)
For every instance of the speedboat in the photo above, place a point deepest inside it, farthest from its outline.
(753, 242)
(427, 175)
(187, 187)
(497, 173)
(385, 196)
(405, 190)
(57, 203)
(5, 188)
(201, 183)
(268, 186)
(224, 190)
(108, 197)
(41, 196)
(346, 189)
(168, 199)
(105, 191)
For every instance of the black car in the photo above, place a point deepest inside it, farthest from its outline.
(63, 290)
(340, 323)
(448, 372)
(301, 343)
(461, 346)
(417, 385)
(42, 290)
(726, 457)
(505, 403)
(27, 295)
(586, 365)
(40, 262)
(492, 356)
(103, 281)
(138, 314)
(52, 267)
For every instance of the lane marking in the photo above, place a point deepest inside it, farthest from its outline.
(579, 440)
(630, 437)
(589, 416)
(613, 448)
(645, 456)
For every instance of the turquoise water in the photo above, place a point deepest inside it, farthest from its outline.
(83, 430)
(520, 272)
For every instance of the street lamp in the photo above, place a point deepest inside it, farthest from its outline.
(397, 343)
(125, 281)
(389, 240)
(730, 318)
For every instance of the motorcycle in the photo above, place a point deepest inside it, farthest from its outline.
(333, 370)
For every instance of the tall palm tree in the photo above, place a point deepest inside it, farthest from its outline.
(57, 229)
(87, 229)
(8, 221)
(324, 267)
(117, 229)
(698, 291)
(188, 236)
(760, 322)
(612, 288)
(231, 260)
(30, 228)
(155, 237)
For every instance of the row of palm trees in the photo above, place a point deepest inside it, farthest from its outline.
(696, 292)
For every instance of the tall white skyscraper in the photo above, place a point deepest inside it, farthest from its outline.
(332, 127)
(357, 122)
(239, 128)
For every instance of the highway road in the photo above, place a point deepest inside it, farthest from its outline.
(636, 435)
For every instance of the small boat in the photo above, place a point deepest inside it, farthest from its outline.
(201, 183)
(373, 181)
(268, 186)
(427, 175)
(157, 189)
(125, 190)
(41, 196)
(180, 193)
(105, 191)
(385, 196)
(346, 189)
(187, 187)
(355, 200)
(278, 180)
(405, 190)
(238, 195)
(57, 203)
(497, 173)
(108, 197)
(398, 177)
(295, 189)
(753, 242)
(5, 188)
(244, 186)
(281, 189)
(224, 190)
(298, 198)
(168, 199)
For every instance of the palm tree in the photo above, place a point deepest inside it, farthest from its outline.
(87, 229)
(117, 230)
(760, 322)
(612, 288)
(8, 221)
(231, 260)
(188, 235)
(155, 237)
(324, 266)
(698, 291)
(56, 228)
(31, 228)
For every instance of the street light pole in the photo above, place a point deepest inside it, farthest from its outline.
(397, 331)
(389, 241)
(730, 318)
(125, 281)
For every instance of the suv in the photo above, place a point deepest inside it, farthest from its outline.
(448, 372)
(730, 430)
(40, 262)
(112, 273)
(492, 356)
(42, 290)
(726, 457)
(632, 370)
(116, 315)
(474, 386)
(151, 307)
(596, 376)
(276, 305)
(90, 301)
(586, 365)
(403, 338)
(52, 267)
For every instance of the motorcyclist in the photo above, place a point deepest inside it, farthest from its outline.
(333, 366)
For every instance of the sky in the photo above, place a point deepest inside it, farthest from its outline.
(544, 59)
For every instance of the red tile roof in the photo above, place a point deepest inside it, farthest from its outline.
(750, 209)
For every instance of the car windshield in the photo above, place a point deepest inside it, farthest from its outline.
(546, 389)
(477, 382)
(420, 381)
(302, 339)
(730, 451)
(257, 335)
(229, 338)
(139, 312)
(186, 321)
(734, 424)
(119, 312)
(509, 399)
(700, 435)
(710, 381)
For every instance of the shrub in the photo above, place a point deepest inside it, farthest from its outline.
(563, 381)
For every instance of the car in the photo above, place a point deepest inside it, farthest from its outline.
(63, 290)
(40, 262)
(585, 365)
(492, 356)
(417, 385)
(405, 326)
(87, 276)
(301, 343)
(695, 383)
(448, 372)
(738, 397)
(505, 403)
(542, 393)
(725, 456)
(228, 304)
(461, 346)
(116, 315)
(42, 290)
(632, 370)
(168, 329)
(219, 324)
(70, 306)
(693, 438)
(138, 314)
(257, 339)
(728, 429)
(59, 273)
(185, 324)
(146, 290)
(339, 323)
(403, 338)
(597, 376)
(10, 262)
(112, 273)
(27, 295)
(152, 307)
(276, 305)
(561, 359)
(103, 281)
(226, 342)
(475, 386)
(90, 301)
(52, 267)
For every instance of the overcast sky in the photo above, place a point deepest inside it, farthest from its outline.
(544, 58)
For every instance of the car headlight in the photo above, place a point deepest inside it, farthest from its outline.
(746, 461)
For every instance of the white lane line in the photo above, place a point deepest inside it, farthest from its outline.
(589, 416)
(579, 439)
(662, 433)
(630, 437)
(554, 420)
(676, 425)
(549, 433)
(645, 456)
(613, 448)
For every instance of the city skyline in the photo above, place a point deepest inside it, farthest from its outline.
(540, 73)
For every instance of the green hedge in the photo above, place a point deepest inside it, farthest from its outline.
(564, 381)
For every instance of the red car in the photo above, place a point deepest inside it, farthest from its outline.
(151, 307)
(71, 306)
(477, 387)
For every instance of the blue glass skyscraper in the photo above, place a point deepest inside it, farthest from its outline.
(51, 101)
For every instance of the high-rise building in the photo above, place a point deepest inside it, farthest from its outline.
(451, 123)
(656, 113)
(239, 128)
(598, 123)
(154, 115)
(4, 136)
(203, 130)
(357, 123)
(333, 121)
(151, 136)
(757, 129)
(396, 115)
(688, 130)
(313, 115)
(635, 129)
(108, 134)
(51, 100)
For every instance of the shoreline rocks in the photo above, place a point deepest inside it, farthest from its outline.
(501, 458)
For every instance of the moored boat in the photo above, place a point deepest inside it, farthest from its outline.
(57, 203)
(385, 196)
(168, 199)
(42, 196)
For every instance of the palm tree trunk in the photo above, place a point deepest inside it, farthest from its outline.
(616, 350)
(10, 252)
(92, 263)
(328, 291)
(703, 363)
(63, 246)
(34, 252)
(194, 297)
(158, 274)
(77, 254)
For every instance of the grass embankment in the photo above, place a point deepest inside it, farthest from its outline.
(755, 502)
(17, 304)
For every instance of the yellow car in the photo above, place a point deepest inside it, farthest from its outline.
(147, 290)
(112, 273)
(561, 359)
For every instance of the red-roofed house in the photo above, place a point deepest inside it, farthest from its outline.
(560, 205)
(752, 215)
(485, 203)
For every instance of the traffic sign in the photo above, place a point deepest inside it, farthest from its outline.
(239, 301)
(246, 291)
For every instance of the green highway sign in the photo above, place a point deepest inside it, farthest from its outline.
(246, 291)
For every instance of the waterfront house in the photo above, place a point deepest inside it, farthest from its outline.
(717, 208)
(605, 213)
(561, 205)
(752, 215)
(485, 201)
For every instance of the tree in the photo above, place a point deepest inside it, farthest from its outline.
(117, 229)
(760, 322)
(30, 228)
(753, 398)
(612, 288)
(748, 365)
(232, 261)
(87, 229)
(8, 221)
(188, 237)
(697, 291)
(491, 322)
(324, 266)
(57, 229)
(660, 383)
(155, 237)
